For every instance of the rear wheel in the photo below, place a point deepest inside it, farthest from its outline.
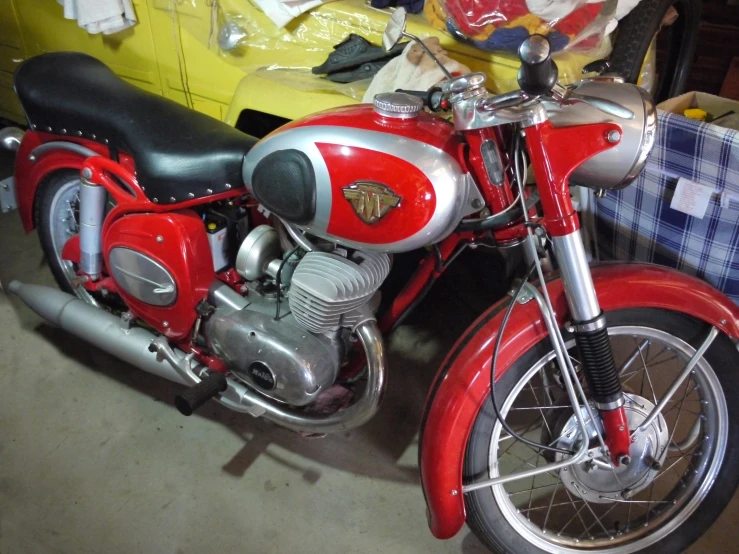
(683, 472)
(57, 220)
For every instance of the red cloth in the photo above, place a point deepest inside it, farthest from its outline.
(471, 16)
(579, 19)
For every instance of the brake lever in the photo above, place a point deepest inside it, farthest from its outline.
(606, 106)
(567, 96)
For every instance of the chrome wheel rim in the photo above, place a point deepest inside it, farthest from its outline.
(64, 224)
(619, 527)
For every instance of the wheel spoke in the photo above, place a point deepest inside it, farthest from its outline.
(551, 507)
(597, 519)
(649, 506)
(632, 356)
(577, 513)
(649, 379)
(608, 511)
(541, 411)
(551, 500)
(677, 418)
(533, 483)
(540, 487)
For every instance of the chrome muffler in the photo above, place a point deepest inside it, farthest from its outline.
(154, 355)
(97, 327)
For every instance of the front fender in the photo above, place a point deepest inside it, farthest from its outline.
(463, 381)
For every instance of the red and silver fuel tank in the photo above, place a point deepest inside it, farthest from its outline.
(387, 177)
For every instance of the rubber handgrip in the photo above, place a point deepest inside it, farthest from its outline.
(537, 79)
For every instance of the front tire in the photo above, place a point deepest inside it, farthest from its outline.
(694, 485)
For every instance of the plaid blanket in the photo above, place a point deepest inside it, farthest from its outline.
(637, 223)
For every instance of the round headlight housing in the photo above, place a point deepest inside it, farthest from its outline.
(616, 167)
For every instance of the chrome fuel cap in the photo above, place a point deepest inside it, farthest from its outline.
(398, 105)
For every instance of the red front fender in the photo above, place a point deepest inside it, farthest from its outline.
(463, 382)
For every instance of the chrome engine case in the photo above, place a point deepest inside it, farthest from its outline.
(295, 357)
(277, 357)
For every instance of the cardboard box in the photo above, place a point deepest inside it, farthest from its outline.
(714, 105)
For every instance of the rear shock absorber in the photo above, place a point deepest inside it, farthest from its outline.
(92, 214)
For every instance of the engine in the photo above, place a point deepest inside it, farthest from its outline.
(288, 336)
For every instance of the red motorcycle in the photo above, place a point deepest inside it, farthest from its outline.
(586, 411)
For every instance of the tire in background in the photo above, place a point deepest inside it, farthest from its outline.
(635, 33)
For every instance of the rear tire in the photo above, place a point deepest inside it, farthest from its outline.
(56, 212)
(504, 529)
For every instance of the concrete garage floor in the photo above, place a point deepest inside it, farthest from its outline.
(95, 458)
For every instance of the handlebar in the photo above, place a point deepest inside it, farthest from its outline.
(537, 79)
(433, 98)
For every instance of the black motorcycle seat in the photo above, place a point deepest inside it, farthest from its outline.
(180, 154)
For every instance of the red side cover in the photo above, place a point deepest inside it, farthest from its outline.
(178, 241)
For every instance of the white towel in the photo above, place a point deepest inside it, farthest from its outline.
(282, 12)
(401, 72)
(100, 16)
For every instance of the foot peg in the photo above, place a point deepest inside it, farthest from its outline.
(197, 395)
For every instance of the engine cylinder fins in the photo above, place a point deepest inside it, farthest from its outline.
(326, 286)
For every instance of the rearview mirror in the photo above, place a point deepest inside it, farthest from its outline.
(395, 29)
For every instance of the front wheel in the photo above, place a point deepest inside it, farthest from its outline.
(683, 471)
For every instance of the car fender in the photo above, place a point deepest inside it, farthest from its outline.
(463, 381)
(255, 93)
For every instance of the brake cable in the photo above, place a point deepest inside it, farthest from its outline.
(504, 322)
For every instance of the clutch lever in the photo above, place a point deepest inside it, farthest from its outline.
(507, 100)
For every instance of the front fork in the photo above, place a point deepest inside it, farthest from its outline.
(593, 345)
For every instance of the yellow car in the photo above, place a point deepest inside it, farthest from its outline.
(174, 51)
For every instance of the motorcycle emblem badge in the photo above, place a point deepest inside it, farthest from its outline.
(371, 201)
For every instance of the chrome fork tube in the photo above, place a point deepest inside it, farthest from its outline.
(92, 214)
(573, 263)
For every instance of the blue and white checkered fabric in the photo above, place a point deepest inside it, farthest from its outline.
(638, 224)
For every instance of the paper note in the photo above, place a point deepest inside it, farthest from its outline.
(691, 198)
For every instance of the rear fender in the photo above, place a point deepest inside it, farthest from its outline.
(463, 381)
(29, 173)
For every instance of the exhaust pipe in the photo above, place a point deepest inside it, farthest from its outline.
(10, 138)
(154, 355)
(97, 327)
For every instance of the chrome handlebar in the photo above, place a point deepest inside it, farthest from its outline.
(562, 95)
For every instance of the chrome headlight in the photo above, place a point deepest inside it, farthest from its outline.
(618, 166)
